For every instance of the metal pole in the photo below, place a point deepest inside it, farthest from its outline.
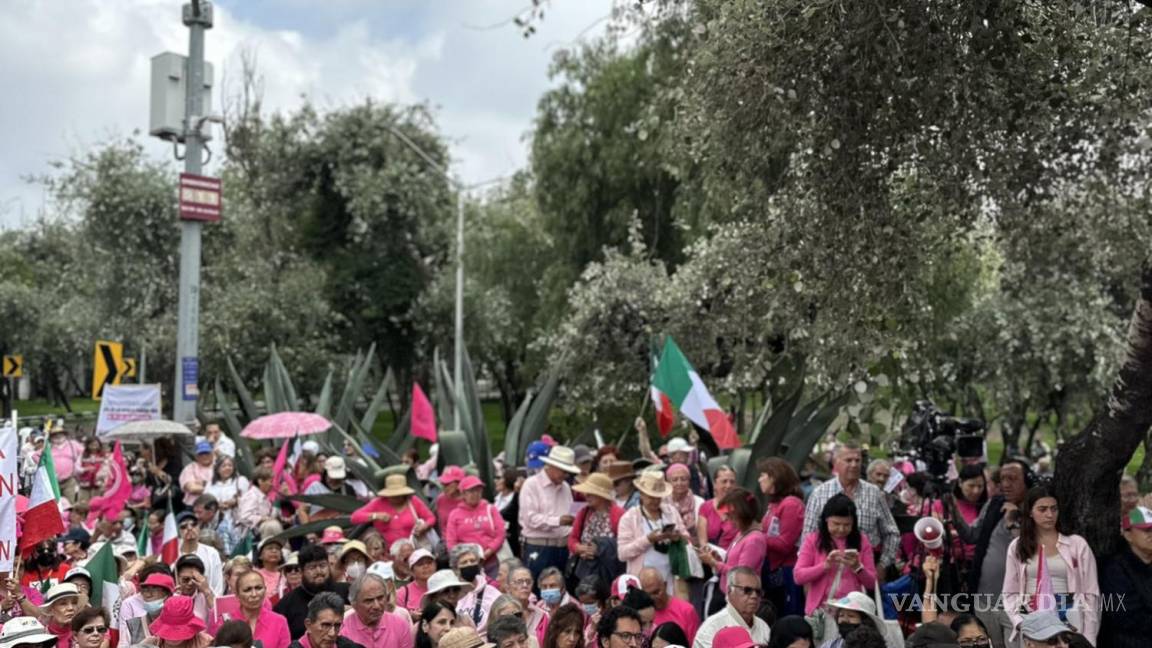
(142, 370)
(459, 373)
(197, 17)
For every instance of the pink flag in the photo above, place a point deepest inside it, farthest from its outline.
(423, 419)
(118, 487)
(279, 474)
(1045, 597)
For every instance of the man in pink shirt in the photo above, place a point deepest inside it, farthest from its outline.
(197, 475)
(67, 454)
(546, 512)
(668, 608)
(370, 624)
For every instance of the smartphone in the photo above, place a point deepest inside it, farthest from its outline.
(668, 528)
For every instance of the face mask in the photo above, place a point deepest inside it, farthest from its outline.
(591, 609)
(355, 570)
(152, 607)
(470, 572)
(551, 596)
(846, 629)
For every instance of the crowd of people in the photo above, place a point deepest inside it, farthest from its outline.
(581, 547)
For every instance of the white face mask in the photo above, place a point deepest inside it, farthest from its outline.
(355, 570)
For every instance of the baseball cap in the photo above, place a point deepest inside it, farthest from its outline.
(733, 637)
(1042, 626)
(310, 447)
(537, 450)
(622, 584)
(418, 555)
(334, 468)
(204, 447)
(1138, 518)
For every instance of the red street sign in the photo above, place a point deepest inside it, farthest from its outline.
(199, 198)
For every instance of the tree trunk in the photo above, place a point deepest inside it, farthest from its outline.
(1088, 466)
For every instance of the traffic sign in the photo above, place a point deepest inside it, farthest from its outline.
(199, 198)
(129, 367)
(108, 366)
(13, 366)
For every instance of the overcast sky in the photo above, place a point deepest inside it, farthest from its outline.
(76, 72)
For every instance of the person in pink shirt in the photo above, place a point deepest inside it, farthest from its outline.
(710, 525)
(476, 521)
(835, 551)
(395, 512)
(669, 608)
(268, 627)
(196, 476)
(783, 524)
(411, 596)
(371, 624)
(748, 547)
(67, 457)
(447, 501)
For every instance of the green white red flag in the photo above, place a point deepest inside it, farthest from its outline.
(665, 417)
(42, 520)
(678, 381)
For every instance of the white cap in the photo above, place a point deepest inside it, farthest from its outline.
(311, 447)
(679, 444)
(334, 468)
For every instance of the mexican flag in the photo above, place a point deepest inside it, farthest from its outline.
(243, 547)
(170, 545)
(105, 586)
(665, 417)
(42, 520)
(676, 380)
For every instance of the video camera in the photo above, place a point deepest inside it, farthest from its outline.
(933, 436)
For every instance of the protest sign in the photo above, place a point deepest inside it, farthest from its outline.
(9, 451)
(126, 403)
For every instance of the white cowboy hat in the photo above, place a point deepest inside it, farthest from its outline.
(562, 457)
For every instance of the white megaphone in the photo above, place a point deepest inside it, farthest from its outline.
(930, 531)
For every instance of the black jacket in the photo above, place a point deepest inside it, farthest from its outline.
(1126, 599)
(294, 606)
(980, 535)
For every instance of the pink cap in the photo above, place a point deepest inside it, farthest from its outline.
(470, 482)
(622, 584)
(333, 535)
(163, 581)
(452, 474)
(547, 438)
(733, 637)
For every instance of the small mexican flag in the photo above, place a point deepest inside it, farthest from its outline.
(105, 586)
(678, 381)
(42, 520)
(244, 547)
(665, 417)
(170, 543)
(144, 542)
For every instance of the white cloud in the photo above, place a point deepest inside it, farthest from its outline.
(82, 67)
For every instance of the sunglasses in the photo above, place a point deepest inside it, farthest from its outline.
(747, 591)
(291, 570)
(87, 630)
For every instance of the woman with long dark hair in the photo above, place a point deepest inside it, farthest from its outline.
(782, 526)
(970, 494)
(1046, 567)
(436, 618)
(835, 558)
(747, 549)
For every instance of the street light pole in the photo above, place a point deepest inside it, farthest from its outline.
(198, 18)
(458, 377)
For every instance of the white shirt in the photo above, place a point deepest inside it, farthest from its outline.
(729, 618)
(226, 446)
(213, 567)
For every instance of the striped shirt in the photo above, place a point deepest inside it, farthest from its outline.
(876, 521)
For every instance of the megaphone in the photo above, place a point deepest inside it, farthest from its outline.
(930, 531)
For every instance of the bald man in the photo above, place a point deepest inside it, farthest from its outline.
(668, 608)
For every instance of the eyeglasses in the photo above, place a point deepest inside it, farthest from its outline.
(522, 582)
(979, 642)
(630, 637)
(747, 591)
(87, 630)
(331, 627)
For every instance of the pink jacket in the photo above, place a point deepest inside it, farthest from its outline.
(747, 550)
(1082, 583)
(783, 523)
(811, 571)
(632, 536)
(402, 522)
(480, 525)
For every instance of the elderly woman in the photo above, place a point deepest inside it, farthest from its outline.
(269, 557)
(477, 522)
(61, 603)
(90, 628)
(268, 627)
(465, 561)
(596, 526)
(520, 589)
(686, 502)
(552, 593)
(710, 526)
(138, 611)
(411, 597)
(395, 513)
(648, 531)
(399, 551)
(509, 605)
(353, 561)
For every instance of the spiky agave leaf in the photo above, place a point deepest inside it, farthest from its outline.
(324, 405)
(242, 394)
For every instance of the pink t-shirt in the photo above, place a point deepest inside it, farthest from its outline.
(391, 631)
(720, 533)
(402, 522)
(411, 596)
(480, 524)
(682, 614)
(444, 506)
(194, 472)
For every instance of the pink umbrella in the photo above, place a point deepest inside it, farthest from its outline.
(285, 425)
